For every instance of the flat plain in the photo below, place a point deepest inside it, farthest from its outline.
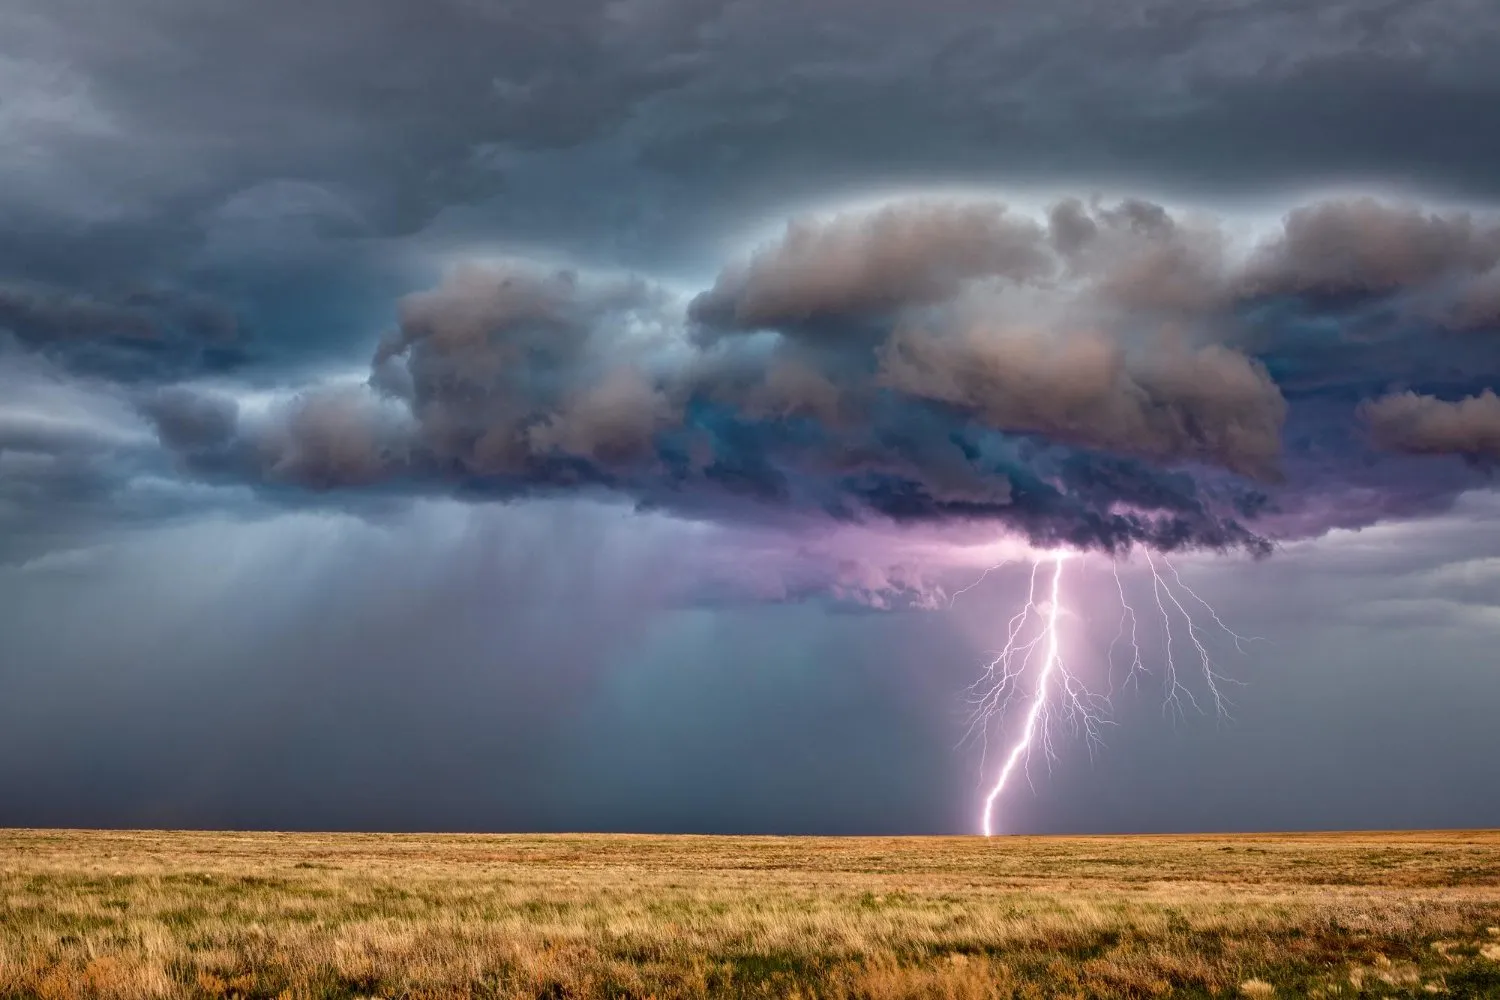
(126, 915)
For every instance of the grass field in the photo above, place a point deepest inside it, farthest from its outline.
(126, 915)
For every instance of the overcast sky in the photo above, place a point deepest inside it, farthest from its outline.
(606, 414)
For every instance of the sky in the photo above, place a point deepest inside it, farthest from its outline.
(645, 414)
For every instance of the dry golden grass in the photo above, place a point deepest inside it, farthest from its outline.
(125, 915)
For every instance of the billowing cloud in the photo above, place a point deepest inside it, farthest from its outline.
(1210, 404)
(612, 421)
(1102, 372)
(867, 264)
(1423, 424)
(330, 438)
(1363, 248)
(505, 365)
(1115, 374)
(513, 378)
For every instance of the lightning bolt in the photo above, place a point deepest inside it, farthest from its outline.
(1033, 634)
(987, 572)
(1036, 712)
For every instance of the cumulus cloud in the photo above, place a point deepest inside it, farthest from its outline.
(507, 364)
(330, 438)
(514, 378)
(612, 421)
(1363, 247)
(866, 264)
(1138, 256)
(1423, 424)
(1112, 374)
(1210, 404)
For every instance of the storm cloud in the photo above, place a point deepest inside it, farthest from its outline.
(917, 361)
(865, 264)
(1425, 424)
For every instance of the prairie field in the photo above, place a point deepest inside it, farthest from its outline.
(291, 916)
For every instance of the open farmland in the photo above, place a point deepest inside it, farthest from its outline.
(251, 915)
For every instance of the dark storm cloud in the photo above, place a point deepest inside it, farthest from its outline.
(78, 459)
(179, 105)
(862, 265)
(223, 150)
(132, 127)
(1220, 98)
(512, 379)
(38, 315)
(921, 361)
(149, 333)
(142, 138)
(1212, 404)
(1425, 424)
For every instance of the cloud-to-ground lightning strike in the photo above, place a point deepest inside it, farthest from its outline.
(1039, 699)
(1033, 633)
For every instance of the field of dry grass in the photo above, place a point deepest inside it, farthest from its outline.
(210, 915)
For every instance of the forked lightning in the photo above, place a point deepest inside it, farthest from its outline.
(1032, 667)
